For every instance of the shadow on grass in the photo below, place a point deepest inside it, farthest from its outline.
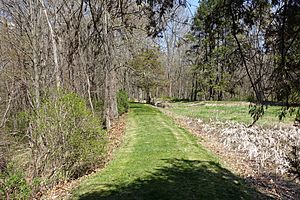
(181, 179)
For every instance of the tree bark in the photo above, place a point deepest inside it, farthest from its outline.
(148, 96)
(110, 102)
(54, 47)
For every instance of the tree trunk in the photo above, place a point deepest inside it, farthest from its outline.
(148, 96)
(234, 33)
(54, 48)
(110, 101)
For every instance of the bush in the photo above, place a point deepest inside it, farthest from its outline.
(65, 138)
(122, 100)
(174, 99)
(179, 100)
(13, 184)
(250, 98)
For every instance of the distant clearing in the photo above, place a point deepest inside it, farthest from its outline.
(228, 111)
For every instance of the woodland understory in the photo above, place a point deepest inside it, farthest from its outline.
(69, 68)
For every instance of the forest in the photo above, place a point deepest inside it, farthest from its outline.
(141, 99)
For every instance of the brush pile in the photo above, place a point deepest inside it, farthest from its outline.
(269, 148)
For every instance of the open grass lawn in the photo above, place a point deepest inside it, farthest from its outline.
(227, 110)
(159, 160)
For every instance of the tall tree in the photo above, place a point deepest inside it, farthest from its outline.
(148, 70)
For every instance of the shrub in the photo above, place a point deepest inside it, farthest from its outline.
(13, 184)
(250, 98)
(66, 139)
(179, 100)
(122, 100)
(173, 99)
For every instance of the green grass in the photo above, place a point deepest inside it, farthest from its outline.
(159, 160)
(227, 111)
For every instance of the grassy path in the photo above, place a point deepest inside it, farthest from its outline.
(159, 160)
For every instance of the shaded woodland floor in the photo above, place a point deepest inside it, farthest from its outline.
(159, 160)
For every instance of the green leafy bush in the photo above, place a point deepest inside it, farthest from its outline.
(66, 139)
(13, 184)
(122, 100)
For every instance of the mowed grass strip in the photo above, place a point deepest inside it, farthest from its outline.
(228, 111)
(159, 160)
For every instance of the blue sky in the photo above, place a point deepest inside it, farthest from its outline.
(193, 4)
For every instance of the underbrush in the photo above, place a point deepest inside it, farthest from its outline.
(174, 99)
(62, 140)
(122, 100)
(13, 184)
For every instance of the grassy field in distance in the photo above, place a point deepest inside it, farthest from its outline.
(237, 111)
